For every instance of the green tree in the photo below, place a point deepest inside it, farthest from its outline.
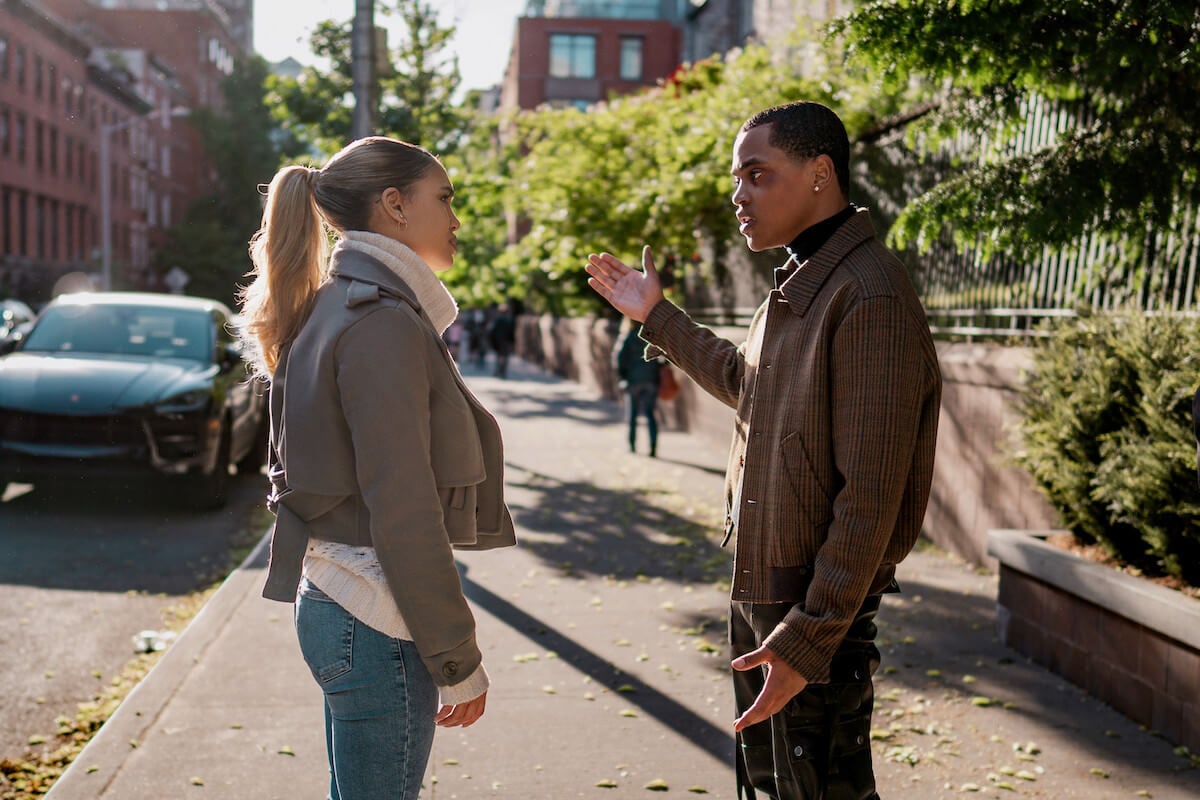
(1126, 73)
(210, 242)
(415, 98)
(651, 167)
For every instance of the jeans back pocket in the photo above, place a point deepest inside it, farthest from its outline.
(326, 633)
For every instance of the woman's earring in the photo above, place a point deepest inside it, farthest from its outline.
(816, 188)
(403, 221)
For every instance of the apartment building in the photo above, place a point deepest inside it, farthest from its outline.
(94, 89)
(578, 52)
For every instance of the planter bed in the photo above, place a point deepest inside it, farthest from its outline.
(1127, 641)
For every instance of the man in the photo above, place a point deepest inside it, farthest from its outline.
(837, 391)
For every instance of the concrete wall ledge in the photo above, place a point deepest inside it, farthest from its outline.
(1170, 613)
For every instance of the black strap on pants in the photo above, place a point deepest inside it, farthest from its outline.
(819, 746)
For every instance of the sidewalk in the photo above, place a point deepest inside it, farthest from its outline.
(603, 632)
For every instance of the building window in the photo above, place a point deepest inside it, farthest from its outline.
(3, 58)
(19, 136)
(23, 222)
(6, 219)
(37, 77)
(631, 58)
(19, 66)
(572, 55)
(4, 133)
(53, 151)
(39, 152)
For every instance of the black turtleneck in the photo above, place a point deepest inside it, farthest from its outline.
(811, 239)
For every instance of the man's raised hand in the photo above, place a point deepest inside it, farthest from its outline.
(631, 292)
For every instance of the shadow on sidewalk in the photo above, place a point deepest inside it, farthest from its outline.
(585, 529)
(717, 742)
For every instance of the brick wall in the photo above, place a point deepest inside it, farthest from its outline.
(1145, 675)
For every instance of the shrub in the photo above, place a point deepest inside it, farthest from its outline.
(1107, 436)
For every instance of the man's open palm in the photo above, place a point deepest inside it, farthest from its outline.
(631, 292)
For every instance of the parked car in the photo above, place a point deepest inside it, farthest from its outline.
(127, 384)
(16, 318)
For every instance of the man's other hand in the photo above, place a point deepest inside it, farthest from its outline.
(631, 292)
(782, 684)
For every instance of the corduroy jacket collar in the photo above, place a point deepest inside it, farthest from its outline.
(808, 278)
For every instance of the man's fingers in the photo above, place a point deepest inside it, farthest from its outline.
(754, 715)
(755, 658)
(648, 261)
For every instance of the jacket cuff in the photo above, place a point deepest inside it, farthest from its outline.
(798, 653)
(657, 321)
(476, 684)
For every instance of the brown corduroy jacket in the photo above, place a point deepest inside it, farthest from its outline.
(837, 392)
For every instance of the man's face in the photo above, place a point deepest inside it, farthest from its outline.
(773, 192)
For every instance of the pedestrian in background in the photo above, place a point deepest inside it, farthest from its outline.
(382, 459)
(502, 335)
(639, 379)
(836, 392)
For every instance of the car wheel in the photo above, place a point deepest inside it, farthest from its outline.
(210, 492)
(252, 463)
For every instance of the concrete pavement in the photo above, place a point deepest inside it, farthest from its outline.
(603, 632)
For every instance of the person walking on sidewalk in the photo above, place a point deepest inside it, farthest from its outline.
(836, 392)
(639, 379)
(502, 336)
(381, 459)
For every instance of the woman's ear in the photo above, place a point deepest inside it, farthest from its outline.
(393, 205)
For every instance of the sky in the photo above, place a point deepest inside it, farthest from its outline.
(482, 41)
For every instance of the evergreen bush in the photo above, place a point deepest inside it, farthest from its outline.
(1107, 435)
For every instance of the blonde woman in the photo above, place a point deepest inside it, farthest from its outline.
(382, 459)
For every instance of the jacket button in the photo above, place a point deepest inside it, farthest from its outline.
(799, 751)
(450, 669)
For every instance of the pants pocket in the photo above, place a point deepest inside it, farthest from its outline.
(326, 634)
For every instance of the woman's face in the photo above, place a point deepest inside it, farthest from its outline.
(431, 221)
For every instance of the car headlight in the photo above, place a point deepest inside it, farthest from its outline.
(183, 402)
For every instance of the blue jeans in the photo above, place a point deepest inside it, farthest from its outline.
(643, 398)
(380, 701)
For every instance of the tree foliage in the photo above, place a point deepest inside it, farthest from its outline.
(211, 240)
(648, 168)
(1126, 73)
(415, 98)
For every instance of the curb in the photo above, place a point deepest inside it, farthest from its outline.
(102, 759)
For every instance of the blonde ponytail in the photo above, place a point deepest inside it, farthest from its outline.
(289, 252)
(290, 249)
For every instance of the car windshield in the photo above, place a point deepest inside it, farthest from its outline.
(123, 330)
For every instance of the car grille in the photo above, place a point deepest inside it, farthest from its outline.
(66, 429)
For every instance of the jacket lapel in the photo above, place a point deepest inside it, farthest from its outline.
(807, 280)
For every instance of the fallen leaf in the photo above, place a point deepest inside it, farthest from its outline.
(657, 785)
(969, 787)
(92, 768)
(606, 784)
(628, 712)
(197, 781)
(1099, 773)
(697, 790)
(982, 702)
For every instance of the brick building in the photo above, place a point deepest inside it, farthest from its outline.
(577, 53)
(76, 72)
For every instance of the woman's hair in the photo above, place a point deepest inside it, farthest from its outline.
(289, 250)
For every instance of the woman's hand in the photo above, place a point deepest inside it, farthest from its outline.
(461, 714)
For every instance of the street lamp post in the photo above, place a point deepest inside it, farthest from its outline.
(106, 191)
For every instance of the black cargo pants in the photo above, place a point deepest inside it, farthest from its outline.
(819, 746)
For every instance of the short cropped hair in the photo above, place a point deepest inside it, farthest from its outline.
(806, 130)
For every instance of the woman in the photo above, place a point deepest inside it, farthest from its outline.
(382, 459)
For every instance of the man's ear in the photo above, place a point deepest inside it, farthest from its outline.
(823, 173)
